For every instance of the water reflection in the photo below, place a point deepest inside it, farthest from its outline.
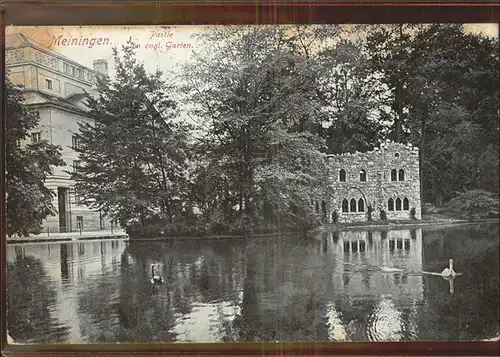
(344, 286)
(30, 301)
(64, 262)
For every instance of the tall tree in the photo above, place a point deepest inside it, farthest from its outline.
(134, 155)
(351, 96)
(453, 110)
(250, 90)
(444, 99)
(28, 200)
(388, 48)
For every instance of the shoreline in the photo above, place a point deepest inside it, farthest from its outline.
(388, 225)
(400, 224)
(332, 228)
(32, 240)
(213, 237)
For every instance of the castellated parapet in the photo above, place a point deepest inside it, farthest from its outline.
(386, 178)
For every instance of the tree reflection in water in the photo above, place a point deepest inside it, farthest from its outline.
(472, 311)
(201, 278)
(353, 286)
(287, 309)
(123, 307)
(30, 300)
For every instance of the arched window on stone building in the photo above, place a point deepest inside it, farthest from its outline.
(401, 175)
(342, 175)
(361, 205)
(398, 204)
(362, 175)
(345, 206)
(394, 175)
(352, 206)
(390, 205)
(406, 204)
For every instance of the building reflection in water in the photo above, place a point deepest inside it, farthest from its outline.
(353, 289)
(346, 286)
(64, 262)
(69, 268)
(381, 270)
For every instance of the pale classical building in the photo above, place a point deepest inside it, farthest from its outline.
(385, 179)
(56, 87)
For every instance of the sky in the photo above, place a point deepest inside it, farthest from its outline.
(156, 43)
(160, 47)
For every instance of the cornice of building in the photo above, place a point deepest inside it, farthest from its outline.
(60, 107)
(60, 104)
(28, 42)
(60, 73)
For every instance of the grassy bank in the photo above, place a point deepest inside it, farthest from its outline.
(437, 219)
(21, 240)
(215, 237)
(429, 220)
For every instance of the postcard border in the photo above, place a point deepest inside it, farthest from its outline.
(232, 12)
(118, 12)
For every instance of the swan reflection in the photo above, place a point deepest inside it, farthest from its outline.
(450, 279)
(447, 274)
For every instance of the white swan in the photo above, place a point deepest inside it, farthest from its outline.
(447, 272)
(155, 279)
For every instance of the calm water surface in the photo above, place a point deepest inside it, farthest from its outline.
(347, 286)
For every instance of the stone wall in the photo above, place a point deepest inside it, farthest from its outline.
(369, 181)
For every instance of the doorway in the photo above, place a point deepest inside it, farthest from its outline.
(62, 199)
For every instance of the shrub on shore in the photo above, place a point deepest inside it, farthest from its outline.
(429, 208)
(413, 213)
(474, 204)
(200, 227)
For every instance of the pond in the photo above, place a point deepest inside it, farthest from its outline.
(340, 286)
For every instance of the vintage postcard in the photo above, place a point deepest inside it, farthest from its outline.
(269, 183)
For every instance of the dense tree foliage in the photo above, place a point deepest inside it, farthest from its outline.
(134, 155)
(445, 88)
(388, 49)
(253, 93)
(474, 204)
(351, 95)
(454, 110)
(28, 200)
(268, 103)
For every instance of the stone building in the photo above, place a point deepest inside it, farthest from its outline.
(385, 180)
(57, 87)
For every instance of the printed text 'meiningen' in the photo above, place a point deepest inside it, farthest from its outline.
(80, 41)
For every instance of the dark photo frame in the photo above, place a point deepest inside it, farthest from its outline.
(128, 13)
